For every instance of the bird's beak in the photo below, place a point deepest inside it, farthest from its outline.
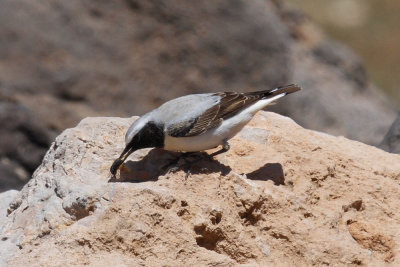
(118, 162)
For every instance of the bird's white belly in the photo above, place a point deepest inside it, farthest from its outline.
(210, 139)
(193, 143)
(216, 136)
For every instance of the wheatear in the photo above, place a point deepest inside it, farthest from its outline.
(197, 122)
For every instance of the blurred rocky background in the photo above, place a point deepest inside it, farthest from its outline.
(61, 61)
(371, 28)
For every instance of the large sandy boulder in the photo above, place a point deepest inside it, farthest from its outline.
(282, 195)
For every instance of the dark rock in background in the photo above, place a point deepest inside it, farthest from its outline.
(23, 143)
(63, 61)
(391, 141)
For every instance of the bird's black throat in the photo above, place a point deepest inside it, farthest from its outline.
(151, 135)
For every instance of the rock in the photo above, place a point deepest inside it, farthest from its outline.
(337, 97)
(330, 196)
(369, 237)
(76, 59)
(6, 247)
(5, 199)
(12, 175)
(391, 141)
(23, 143)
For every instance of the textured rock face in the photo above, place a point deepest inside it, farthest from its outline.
(62, 61)
(282, 195)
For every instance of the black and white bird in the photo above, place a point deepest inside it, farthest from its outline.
(197, 122)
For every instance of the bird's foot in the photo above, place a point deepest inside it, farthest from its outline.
(182, 162)
(225, 148)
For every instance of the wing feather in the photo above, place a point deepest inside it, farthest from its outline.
(230, 104)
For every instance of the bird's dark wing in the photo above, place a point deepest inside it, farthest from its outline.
(230, 104)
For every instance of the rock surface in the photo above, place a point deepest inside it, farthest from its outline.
(282, 195)
(62, 61)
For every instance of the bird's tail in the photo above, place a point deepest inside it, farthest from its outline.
(288, 89)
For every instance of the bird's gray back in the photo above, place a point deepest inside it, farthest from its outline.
(184, 108)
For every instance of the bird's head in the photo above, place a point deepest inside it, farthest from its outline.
(143, 133)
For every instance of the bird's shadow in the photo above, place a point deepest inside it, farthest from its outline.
(159, 162)
(269, 172)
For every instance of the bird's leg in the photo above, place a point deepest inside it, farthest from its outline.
(225, 148)
(172, 166)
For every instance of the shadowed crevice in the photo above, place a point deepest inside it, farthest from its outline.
(270, 171)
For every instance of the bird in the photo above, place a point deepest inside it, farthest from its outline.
(197, 122)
